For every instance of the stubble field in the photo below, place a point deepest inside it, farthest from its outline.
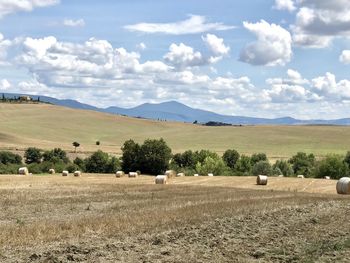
(99, 218)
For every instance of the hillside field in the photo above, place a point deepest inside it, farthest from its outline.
(48, 126)
(99, 218)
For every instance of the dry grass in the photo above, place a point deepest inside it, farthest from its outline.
(50, 126)
(40, 212)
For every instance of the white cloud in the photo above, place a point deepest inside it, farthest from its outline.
(74, 23)
(4, 45)
(183, 56)
(318, 22)
(141, 46)
(327, 87)
(273, 45)
(193, 25)
(13, 6)
(285, 5)
(345, 57)
(216, 45)
(5, 85)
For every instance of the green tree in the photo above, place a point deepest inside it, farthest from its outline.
(211, 165)
(80, 163)
(9, 158)
(284, 166)
(32, 155)
(56, 155)
(131, 156)
(243, 165)
(347, 159)
(302, 163)
(154, 156)
(185, 160)
(101, 162)
(262, 167)
(332, 166)
(76, 145)
(98, 143)
(257, 157)
(231, 157)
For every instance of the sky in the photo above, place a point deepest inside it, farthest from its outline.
(261, 58)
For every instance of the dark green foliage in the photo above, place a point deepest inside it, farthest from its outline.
(98, 143)
(80, 163)
(211, 165)
(9, 168)
(101, 162)
(302, 163)
(333, 166)
(200, 156)
(276, 171)
(130, 157)
(284, 166)
(55, 156)
(257, 157)
(262, 167)
(154, 156)
(71, 168)
(231, 157)
(186, 159)
(10, 158)
(243, 165)
(76, 145)
(32, 155)
(347, 159)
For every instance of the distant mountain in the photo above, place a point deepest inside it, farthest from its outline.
(175, 111)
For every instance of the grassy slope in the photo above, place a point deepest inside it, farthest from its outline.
(48, 126)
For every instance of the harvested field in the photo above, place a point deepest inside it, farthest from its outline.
(100, 218)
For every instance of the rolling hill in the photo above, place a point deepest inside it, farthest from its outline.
(175, 111)
(48, 126)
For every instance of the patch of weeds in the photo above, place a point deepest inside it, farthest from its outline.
(19, 222)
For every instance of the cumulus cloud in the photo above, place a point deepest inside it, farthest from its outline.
(272, 47)
(183, 56)
(345, 57)
(5, 85)
(4, 45)
(216, 45)
(328, 87)
(285, 5)
(74, 23)
(141, 46)
(13, 6)
(193, 25)
(318, 22)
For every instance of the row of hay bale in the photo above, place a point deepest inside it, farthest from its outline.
(76, 173)
(120, 174)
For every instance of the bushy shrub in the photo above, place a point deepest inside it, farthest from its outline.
(71, 167)
(243, 165)
(9, 168)
(101, 162)
(186, 159)
(130, 157)
(56, 155)
(231, 157)
(10, 158)
(257, 157)
(332, 166)
(276, 171)
(262, 167)
(80, 163)
(347, 159)
(32, 155)
(211, 165)
(200, 156)
(302, 163)
(284, 166)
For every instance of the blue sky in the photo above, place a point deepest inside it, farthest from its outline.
(255, 58)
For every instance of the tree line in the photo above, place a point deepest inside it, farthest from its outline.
(155, 157)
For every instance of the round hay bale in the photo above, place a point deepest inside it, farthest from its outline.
(161, 179)
(210, 174)
(119, 174)
(77, 173)
(133, 175)
(196, 175)
(301, 176)
(52, 171)
(170, 173)
(180, 175)
(281, 175)
(261, 180)
(23, 171)
(65, 173)
(343, 186)
(327, 178)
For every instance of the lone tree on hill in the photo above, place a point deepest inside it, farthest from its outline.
(76, 145)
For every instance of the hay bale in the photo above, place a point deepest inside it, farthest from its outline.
(161, 179)
(65, 173)
(281, 175)
(133, 175)
(119, 174)
(210, 174)
(23, 171)
(52, 171)
(261, 180)
(196, 175)
(180, 175)
(343, 186)
(327, 178)
(301, 176)
(77, 173)
(170, 173)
